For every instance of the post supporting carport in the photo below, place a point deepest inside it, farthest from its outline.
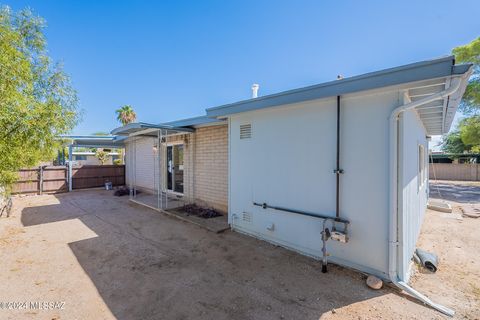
(70, 150)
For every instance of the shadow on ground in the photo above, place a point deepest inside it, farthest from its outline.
(146, 265)
(461, 193)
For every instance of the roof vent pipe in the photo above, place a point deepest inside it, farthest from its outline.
(255, 90)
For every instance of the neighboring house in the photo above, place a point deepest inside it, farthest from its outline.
(90, 158)
(79, 144)
(272, 163)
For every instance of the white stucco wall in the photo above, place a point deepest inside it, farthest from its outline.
(289, 162)
(414, 192)
(144, 164)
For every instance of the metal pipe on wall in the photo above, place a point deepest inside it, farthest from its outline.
(338, 171)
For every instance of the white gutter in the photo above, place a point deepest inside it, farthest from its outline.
(393, 221)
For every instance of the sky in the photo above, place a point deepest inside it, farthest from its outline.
(172, 59)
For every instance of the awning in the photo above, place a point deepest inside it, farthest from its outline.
(148, 129)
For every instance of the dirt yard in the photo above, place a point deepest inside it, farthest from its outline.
(102, 257)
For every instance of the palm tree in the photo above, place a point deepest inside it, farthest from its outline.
(126, 114)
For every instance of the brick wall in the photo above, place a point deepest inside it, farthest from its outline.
(211, 166)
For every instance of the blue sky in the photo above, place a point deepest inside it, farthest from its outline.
(172, 59)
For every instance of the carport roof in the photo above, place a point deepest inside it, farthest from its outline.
(419, 71)
(95, 141)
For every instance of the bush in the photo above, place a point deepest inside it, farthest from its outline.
(37, 101)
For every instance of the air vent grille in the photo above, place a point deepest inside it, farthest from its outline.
(247, 217)
(245, 131)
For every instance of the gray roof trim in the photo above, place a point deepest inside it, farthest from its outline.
(418, 71)
(461, 68)
(191, 122)
(140, 126)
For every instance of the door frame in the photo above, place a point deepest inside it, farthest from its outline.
(171, 191)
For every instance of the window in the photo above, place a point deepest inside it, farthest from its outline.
(421, 166)
(77, 158)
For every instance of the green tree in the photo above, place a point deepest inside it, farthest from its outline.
(37, 102)
(467, 137)
(470, 132)
(452, 143)
(101, 155)
(470, 53)
(126, 114)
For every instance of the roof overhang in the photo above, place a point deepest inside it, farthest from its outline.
(442, 69)
(200, 121)
(148, 129)
(437, 116)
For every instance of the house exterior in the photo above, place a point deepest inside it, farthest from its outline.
(349, 155)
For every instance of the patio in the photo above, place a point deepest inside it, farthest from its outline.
(173, 206)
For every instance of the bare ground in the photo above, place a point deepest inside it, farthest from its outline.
(107, 258)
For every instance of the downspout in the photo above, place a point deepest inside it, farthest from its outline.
(394, 214)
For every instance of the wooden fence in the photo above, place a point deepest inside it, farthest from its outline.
(91, 176)
(50, 179)
(54, 179)
(455, 171)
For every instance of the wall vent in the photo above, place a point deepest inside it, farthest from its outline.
(247, 217)
(245, 131)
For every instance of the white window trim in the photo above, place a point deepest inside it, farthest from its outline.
(421, 166)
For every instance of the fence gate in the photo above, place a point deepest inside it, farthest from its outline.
(51, 179)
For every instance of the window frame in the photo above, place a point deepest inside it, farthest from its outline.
(421, 166)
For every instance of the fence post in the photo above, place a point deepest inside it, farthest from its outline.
(69, 176)
(40, 183)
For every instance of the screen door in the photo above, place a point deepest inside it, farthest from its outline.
(175, 168)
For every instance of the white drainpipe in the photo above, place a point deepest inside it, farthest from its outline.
(393, 230)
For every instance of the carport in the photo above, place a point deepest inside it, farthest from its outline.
(89, 141)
